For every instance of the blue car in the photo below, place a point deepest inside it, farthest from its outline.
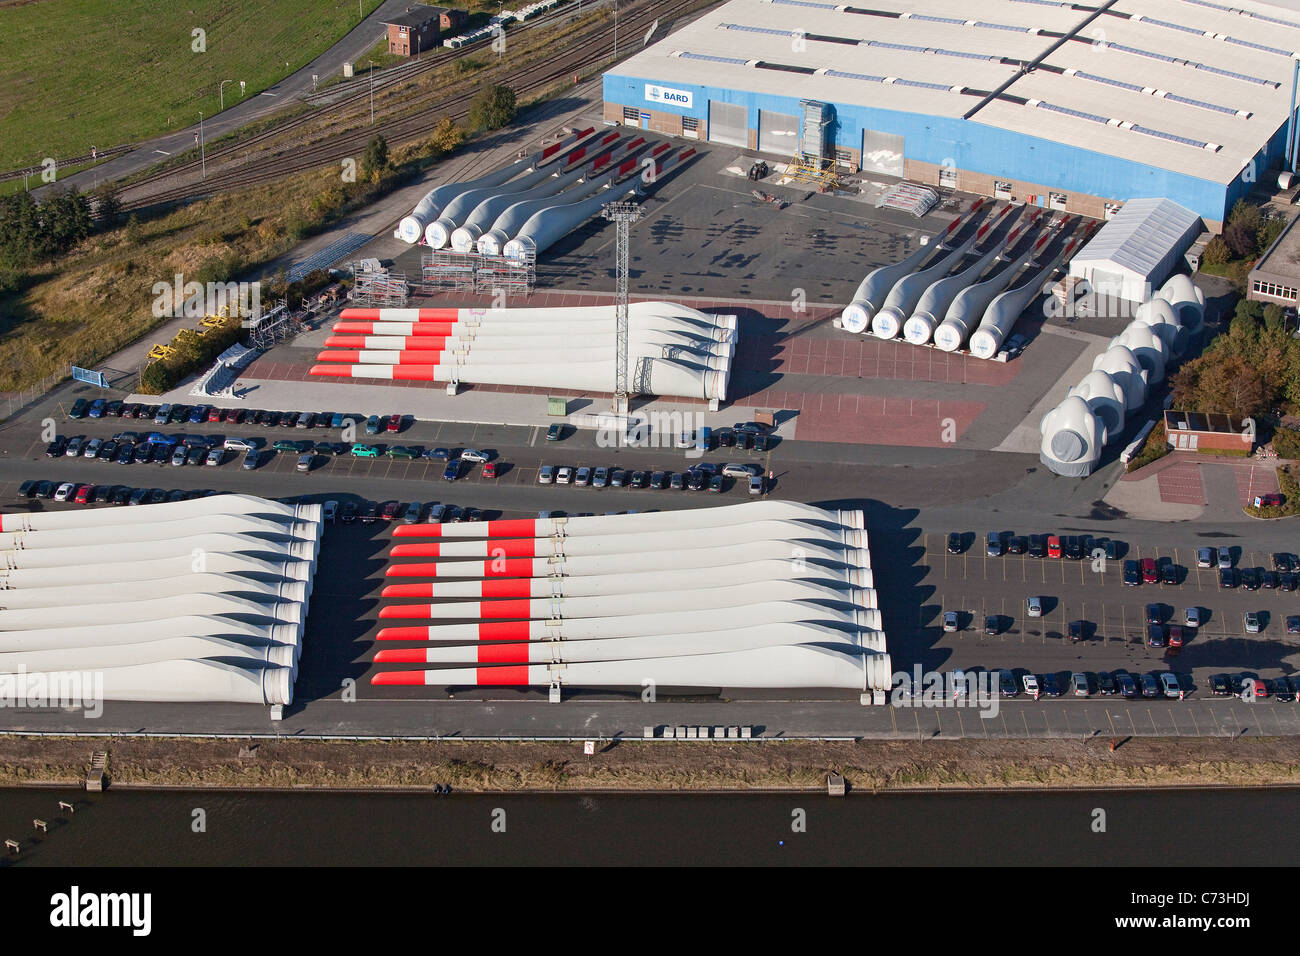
(452, 472)
(97, 408)
(336, 420)
(198, 414)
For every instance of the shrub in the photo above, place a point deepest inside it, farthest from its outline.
(1154, 448)
(492, 108)
(1286, 442)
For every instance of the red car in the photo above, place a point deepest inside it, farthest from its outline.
(1149, 571)
(1053, 546)
(490, 469)
(84, 494)
(390, 510)
(395, 423)
(215, 413)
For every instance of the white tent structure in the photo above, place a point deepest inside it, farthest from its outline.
(761, 595)
(191, 601)
(1137, 249)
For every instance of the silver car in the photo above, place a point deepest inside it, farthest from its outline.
(1225, 558)
(1034, 607)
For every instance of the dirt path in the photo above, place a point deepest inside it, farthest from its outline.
(638, 765)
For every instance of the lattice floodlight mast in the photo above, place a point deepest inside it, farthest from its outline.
(622, 214)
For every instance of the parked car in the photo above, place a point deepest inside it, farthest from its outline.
(79, 409)
(252, 459)
(64, 491)
(1205, 557)
(1252, 622)
(583, 477)
(1225, 557)
(755, 484)
(657, 479)
(414, 511)
(404, 452)
(1031, 684)
(1192, 617)
(949, 621)
(546, 475)
(394, 423)
(1007, 685)
(56, 448)
(1127, 686)
(1169, 684)
(452, 471)
(490, 469)
(1033, 607)
(1106, 683)
(1053, 546)
(348, 512)
(1169, 573)
(360, 450)
(993, 545)
(555, 432)
(474, 455)
(373, 426)
(1220, 686)
(1017, 544)
(1038, 545)
(600, 477)
(1228, 577)
(563, 475)
(1132, 574)
(954, 543)
(329, 512)
(1079, 684)
(438, 454)
(1249, 579)
(1150, 686)
(216, 456)
(1155, 635)
(1050, 687)
(305, 462)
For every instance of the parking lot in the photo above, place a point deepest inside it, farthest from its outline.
(1113, 635)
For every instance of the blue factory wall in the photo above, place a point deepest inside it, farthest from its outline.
(973, 146)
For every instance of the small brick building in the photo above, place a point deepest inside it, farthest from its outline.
(420, 28)
(1193, 431)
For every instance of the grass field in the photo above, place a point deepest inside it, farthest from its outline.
(82, 73)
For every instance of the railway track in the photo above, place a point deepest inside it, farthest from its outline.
(582, 53)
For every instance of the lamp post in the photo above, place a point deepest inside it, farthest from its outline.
(372, 91)
(221, 92)
(203, 162)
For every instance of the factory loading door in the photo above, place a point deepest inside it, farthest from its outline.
(882, 153)
(729, 123)
(778, 133)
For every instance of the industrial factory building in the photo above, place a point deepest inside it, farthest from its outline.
(1072, 107)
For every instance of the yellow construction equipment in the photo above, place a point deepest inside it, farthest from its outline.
(160, 352)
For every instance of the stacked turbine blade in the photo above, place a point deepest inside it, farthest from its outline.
(678, 351)
(761, 595)
(201, 600)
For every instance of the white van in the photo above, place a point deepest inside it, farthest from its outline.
(238, 444)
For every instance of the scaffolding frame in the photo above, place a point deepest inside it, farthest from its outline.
(379, 288)
(623, 214)
(443, 270)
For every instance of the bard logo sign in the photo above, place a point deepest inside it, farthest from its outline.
(663, 94)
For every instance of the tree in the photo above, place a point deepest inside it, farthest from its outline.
(1240, 240)
(1245, 215)
(492, 108)
(1216, 252)
(375, 160)
(447, 136)
(107, 206)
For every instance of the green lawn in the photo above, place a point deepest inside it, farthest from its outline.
(78, 73)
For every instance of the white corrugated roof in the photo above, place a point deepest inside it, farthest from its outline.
(1139, 237)
(1194, 86)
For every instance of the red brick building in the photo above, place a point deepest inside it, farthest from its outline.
(1203, 431)
(420, 29)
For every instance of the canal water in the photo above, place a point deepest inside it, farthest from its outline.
(210, 828)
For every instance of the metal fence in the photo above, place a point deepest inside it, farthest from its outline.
(13, 402)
